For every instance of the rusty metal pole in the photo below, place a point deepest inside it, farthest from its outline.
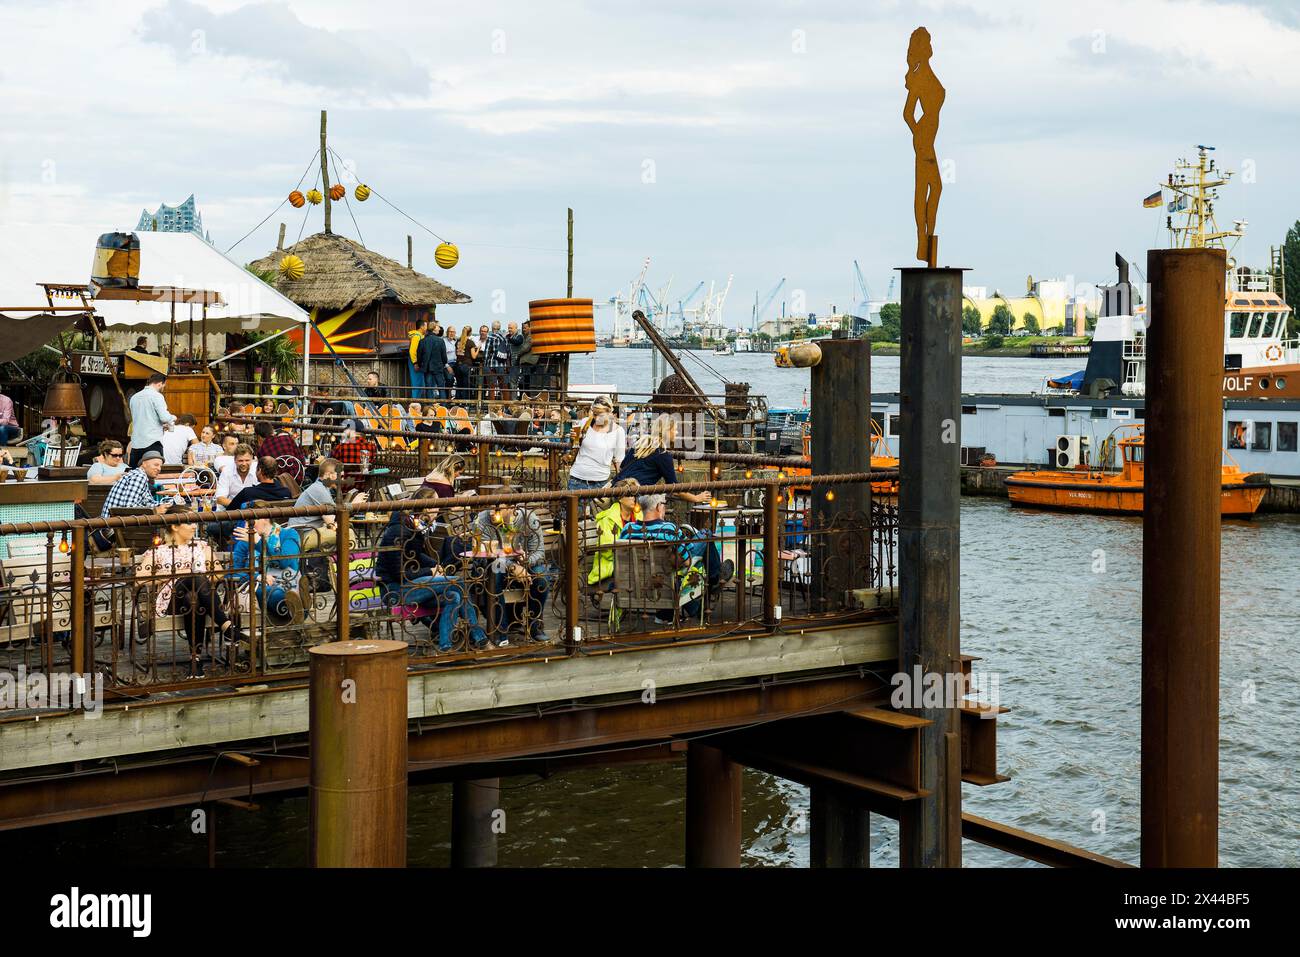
(357, 703)
(929, 541)
(1180, 559)
(712, 808)
(572, 569)
(78, 566)
(343, 552)
(474, 813)
(839, 831)
(841, 401)
(772, 555)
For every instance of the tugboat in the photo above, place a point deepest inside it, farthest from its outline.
(1085, 488)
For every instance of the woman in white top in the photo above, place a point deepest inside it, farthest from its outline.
(205, 450)
(108, 465)
(178, 569)
(603, 444)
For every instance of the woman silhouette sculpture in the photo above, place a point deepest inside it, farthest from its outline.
(923, 86)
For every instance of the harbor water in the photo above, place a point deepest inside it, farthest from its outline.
(1051, 603)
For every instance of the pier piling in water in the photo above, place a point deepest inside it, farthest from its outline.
(712, 808)
(929, 546)
(474, 805)
(839, 830)
(357, 734)
(1180, 559)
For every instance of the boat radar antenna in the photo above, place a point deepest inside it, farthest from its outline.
(1196, 187)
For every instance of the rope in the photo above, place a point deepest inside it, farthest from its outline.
(338, 179)
(307, 206)
(278, 205)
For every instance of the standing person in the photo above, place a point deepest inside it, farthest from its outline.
(149, 418)
(464, 365)
(108, 465)
(433, 360)
(9, 427)
(177, 442)
(528, 378)
(603, 447)
(182, 563)
(650, 462)
(413, 352)
(496, 357)
(515, 343)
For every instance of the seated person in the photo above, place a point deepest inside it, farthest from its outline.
(318, 531)
(610, 524)
(409, 575)
(176, 442)
(137, 488)
(520, 531)
(264, 489)
(179, 567)
(108, 465)
(226, 458)
(654, 526)
(274, 554)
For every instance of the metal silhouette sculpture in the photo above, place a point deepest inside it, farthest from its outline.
(924, 87)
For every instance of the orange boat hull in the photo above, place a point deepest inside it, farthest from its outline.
(1084, 492)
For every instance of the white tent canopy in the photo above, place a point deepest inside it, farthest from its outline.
(63, 254)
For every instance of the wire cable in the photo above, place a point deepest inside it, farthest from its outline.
(338, 179)
(277, 208)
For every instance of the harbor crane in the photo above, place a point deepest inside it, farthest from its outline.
(685, 300)
(760, 310)
(861, 295)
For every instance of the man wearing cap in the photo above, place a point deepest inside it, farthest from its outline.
(149, 419)
(137, 488)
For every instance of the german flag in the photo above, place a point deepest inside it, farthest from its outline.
(1154, 201)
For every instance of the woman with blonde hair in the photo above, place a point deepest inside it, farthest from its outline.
(179, 566)
(650, 462)
(441, 480)
(602, 446)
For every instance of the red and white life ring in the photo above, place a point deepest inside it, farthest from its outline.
(1273, 352)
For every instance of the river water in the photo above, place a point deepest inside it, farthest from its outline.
(1050, 602)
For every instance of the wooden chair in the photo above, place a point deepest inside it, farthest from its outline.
(138, 538)
(650, 577)
(27, 599)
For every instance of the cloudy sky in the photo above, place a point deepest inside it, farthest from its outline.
(763, 139)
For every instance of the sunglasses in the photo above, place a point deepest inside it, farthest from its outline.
(114, 455)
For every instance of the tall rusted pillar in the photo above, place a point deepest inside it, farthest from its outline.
(712, 808)
(841, 442)
(475, 806)
(1180, 559)
(839, 831)
(358, 754)
(929, 542)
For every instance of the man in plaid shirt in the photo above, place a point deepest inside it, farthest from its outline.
(351, 447)
(280, 446)
(496, 360)
(135, 489)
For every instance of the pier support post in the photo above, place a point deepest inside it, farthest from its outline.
(357, 732)
(841, 404)
(473, 806)
(839, 832)
(1180, 559)
(712, 808)
(929, 541)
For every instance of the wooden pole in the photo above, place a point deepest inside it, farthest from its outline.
(324, 171)
(1181, 528)
(279, 243)
(410, 252)
(570, 293)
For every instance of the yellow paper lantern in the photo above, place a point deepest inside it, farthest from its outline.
(296, 199)
(314, 197)
(446, 255)
(362, 192)
(292, 268)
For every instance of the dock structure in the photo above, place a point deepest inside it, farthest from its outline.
(595, 651)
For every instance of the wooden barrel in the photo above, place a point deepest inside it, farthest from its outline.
(117, 261)
(562, 325)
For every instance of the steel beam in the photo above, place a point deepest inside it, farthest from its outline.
(475, 805)
(713, 808)
(1180, 559)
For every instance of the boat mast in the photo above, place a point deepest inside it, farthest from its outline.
(1195, 187)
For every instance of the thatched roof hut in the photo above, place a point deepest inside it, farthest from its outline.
(342, 274)
(382, 298)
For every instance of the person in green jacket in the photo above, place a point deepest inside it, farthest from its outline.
(610, 524)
